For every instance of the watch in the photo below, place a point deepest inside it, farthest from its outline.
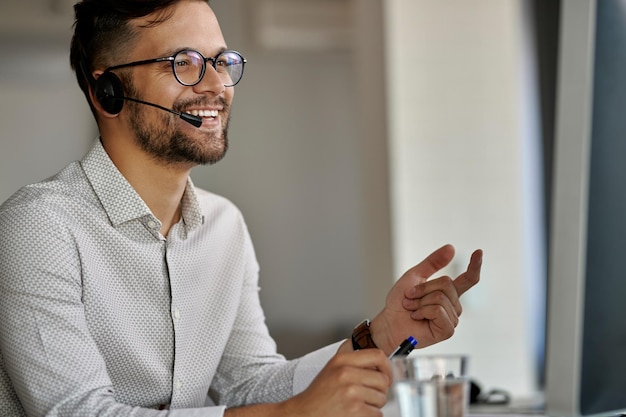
(362, 337)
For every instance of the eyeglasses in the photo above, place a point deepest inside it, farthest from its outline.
(189, 66)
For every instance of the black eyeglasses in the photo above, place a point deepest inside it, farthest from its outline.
(189, 66)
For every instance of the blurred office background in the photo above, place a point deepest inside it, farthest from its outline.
(365, 134)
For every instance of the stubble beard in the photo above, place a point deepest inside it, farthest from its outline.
(168, 144)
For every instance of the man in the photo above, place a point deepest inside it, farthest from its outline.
(127, 291)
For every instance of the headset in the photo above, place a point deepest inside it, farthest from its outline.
(109, 92)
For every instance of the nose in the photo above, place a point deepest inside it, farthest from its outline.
(211, 82)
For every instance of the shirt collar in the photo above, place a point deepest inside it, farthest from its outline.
(120, 200)
(191, 212)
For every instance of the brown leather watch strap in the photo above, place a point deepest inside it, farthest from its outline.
(362, 338)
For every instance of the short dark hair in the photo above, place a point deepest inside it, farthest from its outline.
(102, 33)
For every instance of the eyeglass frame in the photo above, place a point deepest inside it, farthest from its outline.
(171, 59)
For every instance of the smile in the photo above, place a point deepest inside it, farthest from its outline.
(204, 113)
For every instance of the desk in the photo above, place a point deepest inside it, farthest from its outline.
(522, 407)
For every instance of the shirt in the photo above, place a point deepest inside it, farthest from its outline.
(102, 315)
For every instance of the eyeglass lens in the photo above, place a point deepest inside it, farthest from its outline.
(189, 67)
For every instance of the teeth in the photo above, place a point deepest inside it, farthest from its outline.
(204, 113)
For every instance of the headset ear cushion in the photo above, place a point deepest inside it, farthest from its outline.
(109, 92)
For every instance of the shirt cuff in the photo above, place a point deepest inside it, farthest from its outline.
(198, 412)
(310, 365)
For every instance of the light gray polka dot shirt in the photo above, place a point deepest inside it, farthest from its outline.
(100, 315)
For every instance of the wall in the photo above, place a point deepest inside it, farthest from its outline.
(466, 169)
(45, 122)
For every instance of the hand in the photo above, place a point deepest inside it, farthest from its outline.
(426, 309)
(351, 384)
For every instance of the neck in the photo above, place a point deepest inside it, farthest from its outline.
(159, 185)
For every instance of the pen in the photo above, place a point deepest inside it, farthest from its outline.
(405, 347)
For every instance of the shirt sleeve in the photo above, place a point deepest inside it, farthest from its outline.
(251, 371)
(310, 365)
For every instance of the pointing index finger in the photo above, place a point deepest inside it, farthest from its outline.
(435, 261)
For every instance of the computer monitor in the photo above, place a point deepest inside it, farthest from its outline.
(586, 327)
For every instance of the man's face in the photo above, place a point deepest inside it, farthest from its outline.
(162, 135)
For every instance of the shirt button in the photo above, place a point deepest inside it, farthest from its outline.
(178, 385)
(152, 224)
(176, 313)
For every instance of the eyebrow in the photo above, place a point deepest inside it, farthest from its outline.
(171, 52)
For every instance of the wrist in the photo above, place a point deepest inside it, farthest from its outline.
(345, 347)
(381, 336)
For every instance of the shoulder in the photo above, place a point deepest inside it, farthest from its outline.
(212, 204)
(38, 231)
(48, 203)
(222, 217)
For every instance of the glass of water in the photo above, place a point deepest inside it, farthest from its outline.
(431, 386)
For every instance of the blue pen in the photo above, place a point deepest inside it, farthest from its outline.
(405, 347)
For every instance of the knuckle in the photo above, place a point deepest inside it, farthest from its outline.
(382, 398)
(380, 355)
(343, 374)
(355, 409)
(447, 281)
(439, 297)
(351, 391)
(419, 290)
(441, 311)
(448, 332)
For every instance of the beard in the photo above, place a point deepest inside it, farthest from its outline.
(168, 144)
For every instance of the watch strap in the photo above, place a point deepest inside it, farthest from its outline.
(362, 337)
